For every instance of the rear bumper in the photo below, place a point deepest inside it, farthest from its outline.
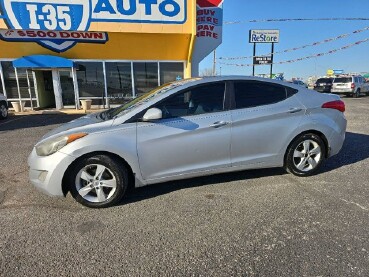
(322, 89)
(342, 91)
(337, 137)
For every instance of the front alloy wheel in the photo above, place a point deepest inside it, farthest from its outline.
(305, 155)
(96, 183)
(99, 181)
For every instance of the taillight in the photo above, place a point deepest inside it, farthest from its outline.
(352, 85)
(337, 105)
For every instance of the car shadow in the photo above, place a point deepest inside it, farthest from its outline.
(355, 149)
(152, 191)
(31, 121)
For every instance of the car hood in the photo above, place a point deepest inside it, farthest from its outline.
(88, 123)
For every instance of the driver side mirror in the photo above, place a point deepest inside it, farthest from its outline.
(152, 114)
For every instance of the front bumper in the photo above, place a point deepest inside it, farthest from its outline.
(46, 173)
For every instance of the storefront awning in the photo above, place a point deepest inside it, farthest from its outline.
(43, 61)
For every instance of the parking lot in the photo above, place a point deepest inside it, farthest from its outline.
(251, 223)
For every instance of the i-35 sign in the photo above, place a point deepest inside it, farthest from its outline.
(76, 15)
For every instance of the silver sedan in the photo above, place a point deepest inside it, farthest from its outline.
(189, 128)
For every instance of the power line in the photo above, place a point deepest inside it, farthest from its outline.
(299, 47)
(307, 57)
(297, 19)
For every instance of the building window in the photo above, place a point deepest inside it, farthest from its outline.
(119, 82)
(67, 86)
(170, 72)
(11, 82)
(145, 77)
(90, 78)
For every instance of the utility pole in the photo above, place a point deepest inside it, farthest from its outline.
(215, 62)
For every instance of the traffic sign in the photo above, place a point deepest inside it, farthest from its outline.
(263, 60)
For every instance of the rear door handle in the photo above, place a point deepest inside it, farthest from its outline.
(295, 110)
(219, 124)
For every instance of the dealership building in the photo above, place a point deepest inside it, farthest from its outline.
(54, 53)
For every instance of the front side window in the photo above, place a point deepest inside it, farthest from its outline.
(253, 94)
(198, 100)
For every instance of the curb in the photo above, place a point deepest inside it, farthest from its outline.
(55, 112)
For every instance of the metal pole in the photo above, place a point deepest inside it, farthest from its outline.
(2, 80)
(214, 62)
(253, 55)
(106, 87)
(75, 86)
(29, 89)
(36, 88)
(133, 81)
(19, 93)
(271, 65)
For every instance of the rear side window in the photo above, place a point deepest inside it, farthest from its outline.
(253, 94)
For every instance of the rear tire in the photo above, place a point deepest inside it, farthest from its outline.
(3, 110)
(98, 182)
(305, 155)
(356, 94)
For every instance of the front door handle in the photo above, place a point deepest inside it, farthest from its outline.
(295, 110)
(219, 124)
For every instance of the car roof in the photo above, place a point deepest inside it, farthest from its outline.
(209, 79)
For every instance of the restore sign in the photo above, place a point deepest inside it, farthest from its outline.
(264, 36)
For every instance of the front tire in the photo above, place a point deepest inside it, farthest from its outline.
(3, 110)
(305, 155)
(98, 182)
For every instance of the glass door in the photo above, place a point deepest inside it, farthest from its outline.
(66, 83)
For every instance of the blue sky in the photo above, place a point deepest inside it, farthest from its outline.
(295, 34)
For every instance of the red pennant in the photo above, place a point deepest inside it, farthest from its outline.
(209, 3)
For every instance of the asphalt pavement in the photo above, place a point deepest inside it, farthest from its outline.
(251, 223)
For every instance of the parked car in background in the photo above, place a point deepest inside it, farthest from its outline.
(3, 107)
(299, 83)
(323, 85)
(185, 129)
(354, 86)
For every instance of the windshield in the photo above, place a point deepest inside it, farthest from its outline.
(125, 108)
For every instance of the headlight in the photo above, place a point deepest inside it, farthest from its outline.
(51, 146)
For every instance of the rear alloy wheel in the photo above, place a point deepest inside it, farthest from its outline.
(3, 111)
(305, 155)
(98, 182)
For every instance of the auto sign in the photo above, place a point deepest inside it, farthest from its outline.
(77, 15)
